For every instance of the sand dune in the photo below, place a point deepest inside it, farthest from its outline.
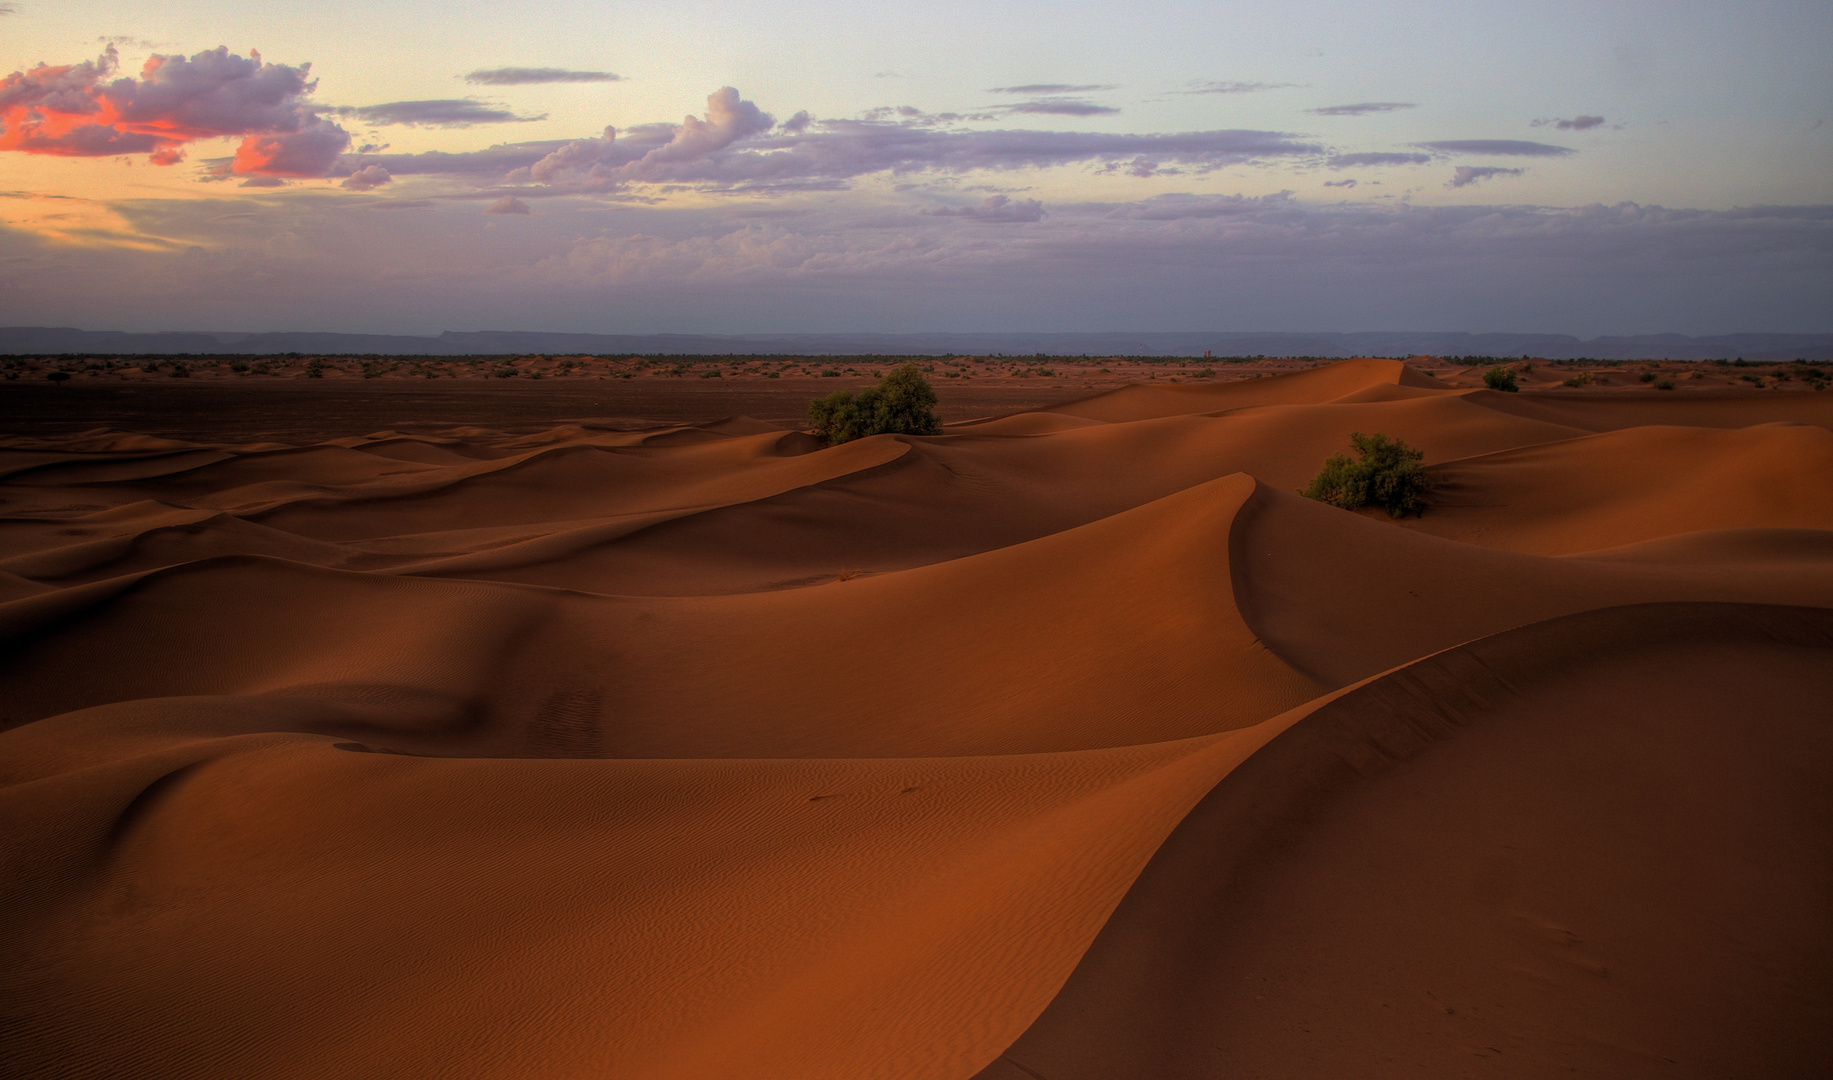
(1071, 743)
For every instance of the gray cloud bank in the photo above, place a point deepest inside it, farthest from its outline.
(1154, 264)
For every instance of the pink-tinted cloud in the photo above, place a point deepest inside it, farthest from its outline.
(508, 204)
(83, 110)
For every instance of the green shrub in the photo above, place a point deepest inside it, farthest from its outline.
(1500, 378)
(901, 404)
(1665, 384)
(1389, 474)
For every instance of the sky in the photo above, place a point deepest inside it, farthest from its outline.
(1606, 167)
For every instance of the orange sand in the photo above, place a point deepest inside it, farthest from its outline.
(1069, 744)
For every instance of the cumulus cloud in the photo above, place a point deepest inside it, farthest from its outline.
(1352, 161)
(997, 208)
(508, 204)
(1511, 147)
(797, 124)
(1061, 107)
(1219, 87)
(444, 112)
(1466, 175)
(313, 150)
(367, 178)
(1052, 88)
(522, 76)
(654, 152)
(80, 110)
(1363, 108)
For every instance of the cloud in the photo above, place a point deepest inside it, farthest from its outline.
(829, 152)
(263, 182)
(311, 151)
(1577, 123)
(1345, 183)
(508, 204)
(445, 113)
(797, 124)
(996, 208)
(1061, 107)
(1363, 109)
(1154, 263)
(1497, 146)
(1217, 87)
(367, 178)
(1052, 88)
(521, 76)
(7, 9)
(80, 110)
(1352, 161)
(1466, 175)
(737, 147)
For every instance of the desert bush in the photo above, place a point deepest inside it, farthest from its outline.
(1665, 384)
(1500, 378)
(1388, 474)
(1647, 376)
(901, 404)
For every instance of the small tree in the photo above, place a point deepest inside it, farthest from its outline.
(58, 378)
(901, 404)
(1500, 378)
(1389, 474)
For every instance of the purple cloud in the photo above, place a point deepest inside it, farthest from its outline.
(1345, 183)
(444, 113)
(520, 76)
(508, 204)
(737, 147)
(1577, 123)
(367, 178)
(1363, 109)
(1353, 161)
(1061, 107)
(1466, 175)
(1052, 88)
(1497, 146)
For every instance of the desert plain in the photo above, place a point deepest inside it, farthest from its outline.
(608, 724)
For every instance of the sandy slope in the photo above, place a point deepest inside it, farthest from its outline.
(706, 752)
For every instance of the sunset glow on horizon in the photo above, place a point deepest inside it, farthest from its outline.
(1614, 168)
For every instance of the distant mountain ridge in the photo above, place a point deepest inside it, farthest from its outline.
(53, 340)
